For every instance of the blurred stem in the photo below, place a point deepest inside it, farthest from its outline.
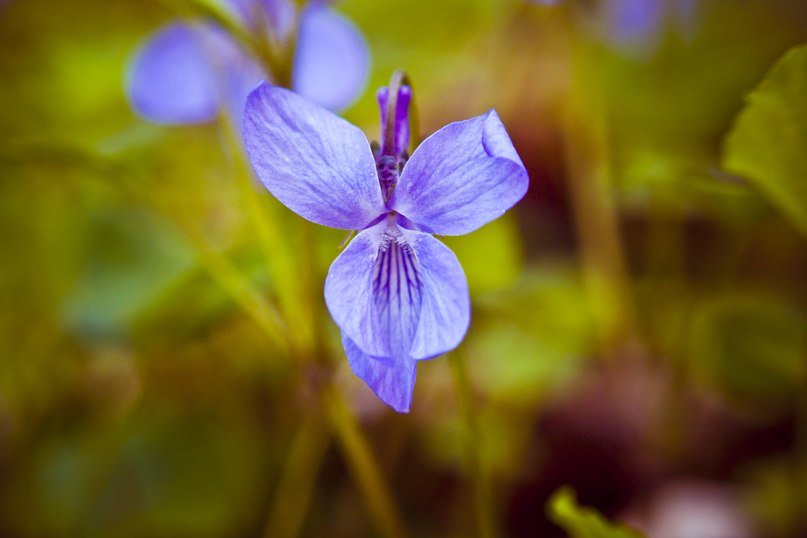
(483, 499)
(243, 292)
(354, 444)
(361, 461)
(265, 218)
(665, 255)
(296, 484)
(588, 160)
(800, 456)
(195, 9)
(306, 342)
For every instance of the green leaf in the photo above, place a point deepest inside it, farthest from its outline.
(130, 260)
(581, 522)
(750, 347)
(768, 143)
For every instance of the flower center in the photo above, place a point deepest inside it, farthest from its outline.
(389, 170)
(391, 154)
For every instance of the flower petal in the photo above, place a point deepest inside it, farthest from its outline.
(391, 380)
(374, 291)
(399, 293)
(461, 177)
(314, 162)
(634, 22)
(445, 308)
(349, 291)
(401, 138)
(171, 80)
(332, 60)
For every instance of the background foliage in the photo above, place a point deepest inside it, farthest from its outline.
(638, 325)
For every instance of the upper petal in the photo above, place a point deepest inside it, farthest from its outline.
(461, 177)
(391, 380)
(171, 79)
(445, 308)
(332, 59)
(317, 164)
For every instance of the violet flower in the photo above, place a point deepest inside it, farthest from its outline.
(186, 73)
(638, 24)
(398, 294)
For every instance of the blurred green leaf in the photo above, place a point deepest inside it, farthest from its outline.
(516, 361)
(750, 347)
(768, 143)
(518, 358)
(581, 522)
(131, 259)
(778, 497)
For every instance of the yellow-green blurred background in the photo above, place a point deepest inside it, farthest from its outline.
(639, 327)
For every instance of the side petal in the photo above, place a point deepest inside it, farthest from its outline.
(317, 164)
(391, 380)
(349, 291)
(331, 61)
(461, 177)
(446, 308)
(171, 80)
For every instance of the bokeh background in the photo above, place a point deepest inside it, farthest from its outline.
(639, 328)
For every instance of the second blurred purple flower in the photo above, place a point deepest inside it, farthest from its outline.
(187, 72)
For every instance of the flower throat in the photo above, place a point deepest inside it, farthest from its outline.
(391, 154)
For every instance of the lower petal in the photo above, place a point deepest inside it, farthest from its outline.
(392, 380)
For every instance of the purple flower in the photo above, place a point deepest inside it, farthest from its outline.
(638, 23)
(185, 73)
(398, 294)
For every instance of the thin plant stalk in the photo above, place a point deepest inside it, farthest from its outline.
(306, 345)
(475, 468)
(357, 450)
(589, 163)
(296, 486)
(264, 215)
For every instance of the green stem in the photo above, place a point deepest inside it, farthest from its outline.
(799, 477)
(483, 499)
(296, 485)
(301, 312)
(356, 448)
(264, 215)
(242, 292)
(589, 164)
